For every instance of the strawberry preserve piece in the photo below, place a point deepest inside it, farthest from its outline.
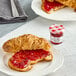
(56, 33)
(23, 58)
(51, 5)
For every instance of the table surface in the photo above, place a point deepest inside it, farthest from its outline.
(69, 67)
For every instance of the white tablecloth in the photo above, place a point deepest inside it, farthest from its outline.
(40, 27)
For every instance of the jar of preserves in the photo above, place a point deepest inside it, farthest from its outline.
(56, 33)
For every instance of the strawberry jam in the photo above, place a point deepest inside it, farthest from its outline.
(51, 5)
(23, 58)
(56, 38)
(56, 33)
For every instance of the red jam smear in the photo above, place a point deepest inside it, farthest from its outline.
(22, 58)
(51, 5)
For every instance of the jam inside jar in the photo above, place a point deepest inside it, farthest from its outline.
(56, 34)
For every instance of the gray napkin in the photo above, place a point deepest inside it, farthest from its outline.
(6, 14)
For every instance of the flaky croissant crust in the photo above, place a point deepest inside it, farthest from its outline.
(26, 42)
(69, 3)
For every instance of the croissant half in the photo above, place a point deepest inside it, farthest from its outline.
(50, 6)
(26, 42)
(69, 3)
(28, 49)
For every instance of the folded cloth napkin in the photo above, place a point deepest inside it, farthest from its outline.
(7, 13)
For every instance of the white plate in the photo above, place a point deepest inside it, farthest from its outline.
(39, 69)
(65, 14)
(43, 68)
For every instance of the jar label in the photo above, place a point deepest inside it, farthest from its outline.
(56, 39)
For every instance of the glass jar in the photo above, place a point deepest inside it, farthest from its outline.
(56, 33)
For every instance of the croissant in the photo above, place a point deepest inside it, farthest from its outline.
(26, 42)
(50, 6)
(69, 3)
(28, 49)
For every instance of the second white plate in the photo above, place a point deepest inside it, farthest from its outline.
(65, 14)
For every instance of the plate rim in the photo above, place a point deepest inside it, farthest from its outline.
(32, 6)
